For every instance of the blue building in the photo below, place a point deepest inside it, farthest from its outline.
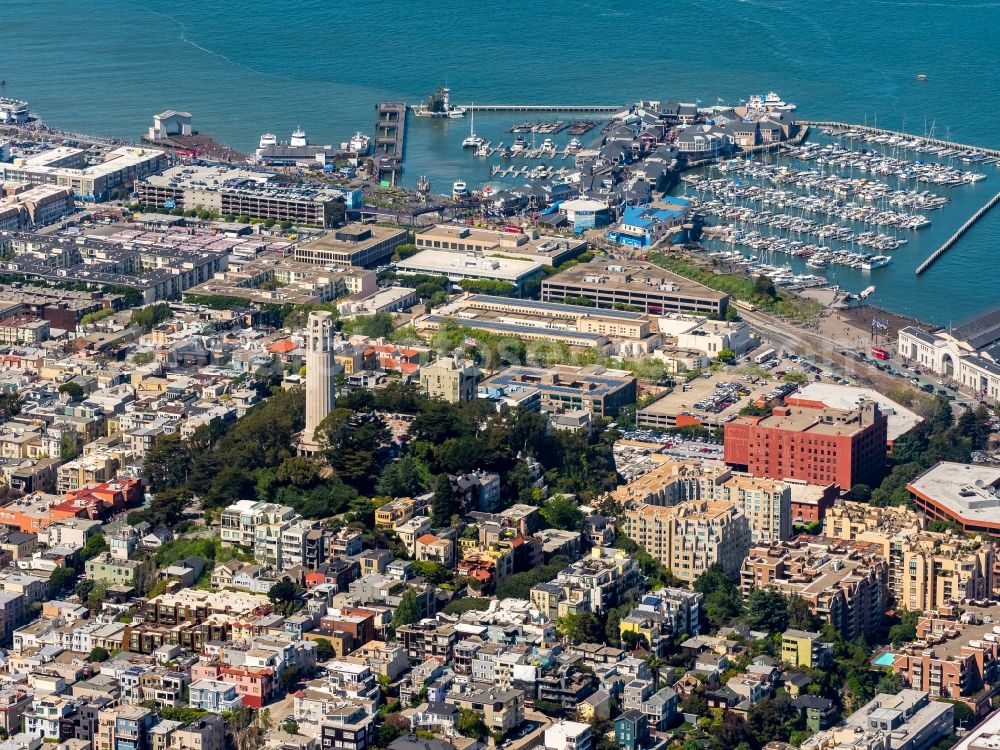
(642, 226)
(631, 730)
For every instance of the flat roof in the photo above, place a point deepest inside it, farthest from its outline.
(445, 263)
(537, 306)
(329, 239)
(679, 401)
(515, 329)
(632, 276)
(900, 419)
(968, 491)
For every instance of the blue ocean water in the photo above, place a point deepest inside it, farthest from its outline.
(243, 69)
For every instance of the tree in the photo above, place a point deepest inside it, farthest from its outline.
(445, 503)
(95, 545)
(97, 653)
(324, 649)
(562, 512)
(767, 610)
(470, 723)
(73, 390)
(763, 287)
(772, 719)
(906, 629)
(726, 355)
(859, 493)
(10, 404)
(406, 477)
(284, 594)
(795, 377)
(147, 318)
(800, 616)
(407, 611)
(580, 627)
(723, 600)
(61, 579)
(167, 463)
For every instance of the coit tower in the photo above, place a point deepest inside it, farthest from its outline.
(321, 394)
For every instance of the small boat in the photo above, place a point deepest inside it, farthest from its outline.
(484, 149)
(473, 141)
(423, 184)
(574, 144)
(459, 189)
(921, 76)
(268, 139)
(519, 144)
(547, 145)
(876, 261)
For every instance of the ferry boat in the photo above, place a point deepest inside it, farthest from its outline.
(459, 189)
(876, 261)
(298, 138)
(360, 143)
(268, 139)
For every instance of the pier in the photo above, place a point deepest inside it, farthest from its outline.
(390, 133)
(544, 107)
(883, 131)
(958, 234)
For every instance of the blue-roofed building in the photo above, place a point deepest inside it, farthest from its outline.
(643, 226)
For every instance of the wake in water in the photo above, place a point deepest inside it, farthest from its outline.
(184, 38)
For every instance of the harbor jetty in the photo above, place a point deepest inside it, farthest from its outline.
(883, 131)
(390, 133)
(544, 107)
(958, 234)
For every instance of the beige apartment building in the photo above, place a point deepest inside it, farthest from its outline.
(691, 536)
(766, 503)
(926, 569)
(449, 378)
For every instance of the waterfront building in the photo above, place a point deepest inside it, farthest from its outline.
(241, 192)
(644, 226)
(640, 286)
(352, 245)
(842, 447)
(67, 167)
(691, 536)
(594, 388)
(450, 378)
(968, 354)
(844, 583)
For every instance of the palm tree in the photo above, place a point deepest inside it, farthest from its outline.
(655, 664)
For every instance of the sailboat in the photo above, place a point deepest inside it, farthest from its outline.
(473, 141)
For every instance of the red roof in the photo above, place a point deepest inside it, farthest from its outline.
(282, 347)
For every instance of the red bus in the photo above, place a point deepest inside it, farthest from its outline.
(879, 353)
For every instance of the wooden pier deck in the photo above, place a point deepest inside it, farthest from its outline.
(390, 134)
(970, 222)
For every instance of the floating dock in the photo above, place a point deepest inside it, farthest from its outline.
(883, 131)
(390, 133)
(958, 234)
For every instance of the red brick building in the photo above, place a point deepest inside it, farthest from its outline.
(818, 446)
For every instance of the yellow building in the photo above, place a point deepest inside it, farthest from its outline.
(801, 648)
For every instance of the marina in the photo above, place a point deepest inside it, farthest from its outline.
(958, 234)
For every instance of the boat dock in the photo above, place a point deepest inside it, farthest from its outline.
(883, 131)
(544, 107)
(390, 133)
(958, 234)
